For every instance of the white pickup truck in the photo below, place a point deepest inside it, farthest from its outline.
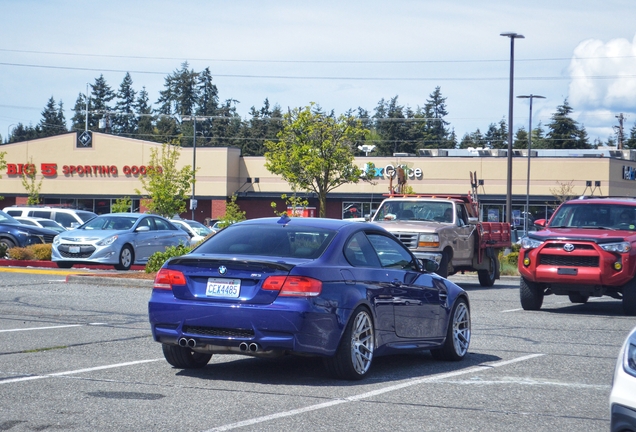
(446, 229)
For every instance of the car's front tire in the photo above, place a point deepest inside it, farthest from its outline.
(487, 277)
(443, 265)
(355, 353)
(531, 294)
(126, 258)
(458, 334)
(184, 357)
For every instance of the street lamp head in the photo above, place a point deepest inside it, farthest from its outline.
(532, 96)
(512, 35)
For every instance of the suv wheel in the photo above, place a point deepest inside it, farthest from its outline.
(531, 295)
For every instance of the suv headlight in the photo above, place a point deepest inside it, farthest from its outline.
(629, 359)
(621, 247)
(528, 243)
(107, 241)
(428, 240)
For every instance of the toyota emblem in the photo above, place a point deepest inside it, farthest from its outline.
(568, 247)
(222, 270)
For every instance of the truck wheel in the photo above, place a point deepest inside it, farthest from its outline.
(578, 297)
(531, 295)
(487, 277)
(443, 266)
(629, 298)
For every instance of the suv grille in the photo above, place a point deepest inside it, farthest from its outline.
(409, 239)
(569, 260)
(221, 332)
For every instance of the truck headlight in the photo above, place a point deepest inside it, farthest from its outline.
(621, 247)
(528, 243)
(428, 240)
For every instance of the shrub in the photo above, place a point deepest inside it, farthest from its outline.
(41, 252)
(21, 253)
(157, 259)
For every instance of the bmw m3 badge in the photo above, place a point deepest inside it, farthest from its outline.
(222, 270)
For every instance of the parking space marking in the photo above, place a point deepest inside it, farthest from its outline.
(78, 371)
(41, 328)
(373, 393)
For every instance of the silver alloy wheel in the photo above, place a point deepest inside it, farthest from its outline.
(362, 343)
(126, 257)
(461, 329)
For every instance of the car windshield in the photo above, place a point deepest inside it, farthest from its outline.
(110, 223)
(199, 228)
(6, 219)
(86, 216)
(269, 240)
(600, 216)
(415, 210)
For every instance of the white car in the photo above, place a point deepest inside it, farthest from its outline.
(623, 395)
(196, 230)
(40, 222)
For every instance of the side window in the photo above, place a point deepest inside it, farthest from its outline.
(359, 252)
(40, 213)
(146, 222)
(14, 212)
(391, 253)
(161, 224)
(64, 219)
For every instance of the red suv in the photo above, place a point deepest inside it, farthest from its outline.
(586, 250)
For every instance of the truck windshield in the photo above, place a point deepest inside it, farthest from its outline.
(603, 216)
(416, 210)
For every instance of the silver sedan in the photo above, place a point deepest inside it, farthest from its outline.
(118, 239)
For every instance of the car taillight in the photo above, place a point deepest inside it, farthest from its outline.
(293, 286)
(166, 278)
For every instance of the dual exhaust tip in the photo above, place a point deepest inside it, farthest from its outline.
(244, 346)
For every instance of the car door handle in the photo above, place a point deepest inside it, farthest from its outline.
(396, 283)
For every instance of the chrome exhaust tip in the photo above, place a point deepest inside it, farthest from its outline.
(253, 347)
(183, 342)
(192, 343)
(243, 346)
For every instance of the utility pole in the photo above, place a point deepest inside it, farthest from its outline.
(619, 131)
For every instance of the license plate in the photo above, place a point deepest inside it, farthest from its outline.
(228, 288)
(73, 249)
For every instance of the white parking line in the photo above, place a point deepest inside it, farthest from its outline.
(78, 371)
(367, 395)
(41, 328)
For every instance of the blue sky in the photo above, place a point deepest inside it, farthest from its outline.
(339, 54)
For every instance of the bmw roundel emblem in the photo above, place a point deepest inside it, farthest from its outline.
(222, 270)
(568, 247)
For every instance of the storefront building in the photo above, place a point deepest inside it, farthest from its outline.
(93, 173)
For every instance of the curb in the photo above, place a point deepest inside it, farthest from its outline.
(105, 280)
(51, 264)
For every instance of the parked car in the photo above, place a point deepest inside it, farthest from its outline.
(344, 291)
(196, 230)
(13, 233)
(41, 222)
(623, 395)
(68, 218)
(118, 239)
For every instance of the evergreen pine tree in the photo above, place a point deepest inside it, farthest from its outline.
(79, 118)
(437, 126)
(125, 120)
(564, 132)
(52, 122)
(101, 95)
(145, 128)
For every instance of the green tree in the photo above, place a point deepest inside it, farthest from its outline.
(101, 96)
(233, 213)
(53, 121)
(24, 133)
(122, 205)
(392, 128)
(125, 121)
(437, 127)
(30, 184)
(166, 186)
(145, 128)
(564, 132)
(630, 143)
(79, 118)
(179, 96)
(315, 151)
(3, 166)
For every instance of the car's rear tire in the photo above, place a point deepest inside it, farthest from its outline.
(64, 265)
(458, 334)
(629, 298)
(576, 297)
(443, 266)
(7, 242)
(184, 357)
(354, 355)
(531, 295)
(126, 258)
(487, 277)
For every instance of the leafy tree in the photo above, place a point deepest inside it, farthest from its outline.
(125, 121)
(122, 205)
(101, 96)
(315, 151)
(30, 185)
(233, 213)
(563, 192)
(564, 131)
(165, 185)
(53, 121)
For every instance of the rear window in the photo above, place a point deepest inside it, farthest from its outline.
(86, 216)
(269, 240)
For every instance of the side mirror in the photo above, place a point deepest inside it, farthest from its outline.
(143, 229)
(74, 225)
(540, 222)
(473, 221)
(429, 266)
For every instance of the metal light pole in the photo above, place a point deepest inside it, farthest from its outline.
(530, 96)
(512, 37)
(193, 202)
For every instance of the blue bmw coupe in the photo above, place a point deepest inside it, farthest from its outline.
(345, 291)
